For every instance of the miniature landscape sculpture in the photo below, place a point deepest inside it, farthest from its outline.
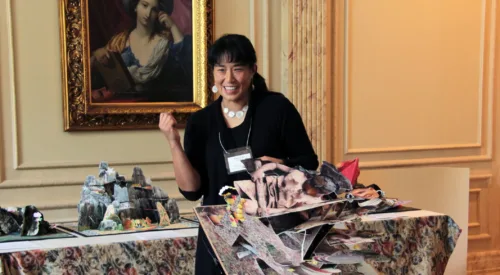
(109, 202)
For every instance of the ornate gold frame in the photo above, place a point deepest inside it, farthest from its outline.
(80, 115)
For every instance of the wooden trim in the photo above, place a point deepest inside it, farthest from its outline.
(483, 262)
(329, 79)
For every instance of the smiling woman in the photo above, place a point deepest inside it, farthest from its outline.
(149, 61)
(247, 121)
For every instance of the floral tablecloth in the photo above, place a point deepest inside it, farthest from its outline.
(162, 256)
(409, 245)
(405, 245)
(413, 242)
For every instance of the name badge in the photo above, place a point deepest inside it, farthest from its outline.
(234, 159)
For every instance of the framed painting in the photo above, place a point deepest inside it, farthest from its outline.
(126, 61)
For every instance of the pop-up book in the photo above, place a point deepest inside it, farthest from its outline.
(26, 223)
(110, 204)
(288, 220)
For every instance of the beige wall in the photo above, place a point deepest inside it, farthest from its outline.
(45, 166)
(414, 85)
(412, 69)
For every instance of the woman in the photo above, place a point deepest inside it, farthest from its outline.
(156, 53)
(246, 117)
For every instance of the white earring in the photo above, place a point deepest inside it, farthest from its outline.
(214, 89)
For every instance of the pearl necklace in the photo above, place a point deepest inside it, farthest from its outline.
(238, 114)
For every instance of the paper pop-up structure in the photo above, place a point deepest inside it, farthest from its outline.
(289, 220)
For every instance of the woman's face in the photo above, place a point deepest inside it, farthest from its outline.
(233, 80)
(147, 12)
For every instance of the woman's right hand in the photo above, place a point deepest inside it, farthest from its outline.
(102, 55)
(168, 127)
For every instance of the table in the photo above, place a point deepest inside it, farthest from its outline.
(412, 242)
(158, 252)
(415, 242)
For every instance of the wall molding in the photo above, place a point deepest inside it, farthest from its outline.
(19, 184)
(422, 162)
(13, 85)
(413, 148)
(483, 262)
(77, 164)
(70, 205)
(4, 28)
(479, 237)
(474, 225)
(478, 177)
(486, 88)
(480, 223)
(476, 192)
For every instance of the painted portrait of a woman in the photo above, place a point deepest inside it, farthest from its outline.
(148, 43)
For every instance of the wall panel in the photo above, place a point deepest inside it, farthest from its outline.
(44, 165)
(417, 87)
(410, 94)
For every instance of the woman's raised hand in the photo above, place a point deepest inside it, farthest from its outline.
(168, 127)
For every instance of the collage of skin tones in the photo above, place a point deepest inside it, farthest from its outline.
(298, 211)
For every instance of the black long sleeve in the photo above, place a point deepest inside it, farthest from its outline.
(298, 146)
(194, 146)
(276, 130)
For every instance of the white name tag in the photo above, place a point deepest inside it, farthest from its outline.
(234, 159)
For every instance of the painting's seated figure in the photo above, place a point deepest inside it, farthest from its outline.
(157, 55)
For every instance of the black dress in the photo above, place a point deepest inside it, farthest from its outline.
(276, 131)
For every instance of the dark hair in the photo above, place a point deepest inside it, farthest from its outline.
(236, 48)
(166, 6)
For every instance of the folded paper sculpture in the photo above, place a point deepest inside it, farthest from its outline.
(293, 221)
(110, 202)
(26, 221)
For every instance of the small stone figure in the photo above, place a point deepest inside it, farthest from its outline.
(173, 210)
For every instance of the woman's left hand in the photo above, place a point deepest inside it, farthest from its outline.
(366, 193)
(165, 20)
(271, 159)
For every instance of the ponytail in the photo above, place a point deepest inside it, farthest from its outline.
(259, 83)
